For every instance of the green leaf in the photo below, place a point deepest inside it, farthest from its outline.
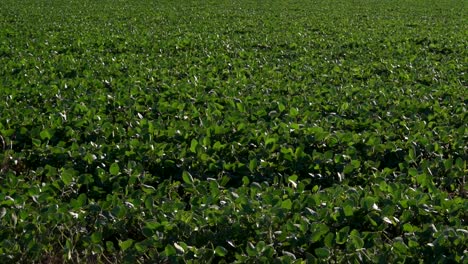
(322, 252)
(81, 199)
(368, 203)
(412, 155)
(141, 247)
(348, 169)
(460, 163)
(170, 251)
(270, 140)
(407, 227)
(221, 251)
(252, 165)
(36, 142)
(293, 112)
(356, 163)
(356, 239)
(67, 176)
(109, 246)
(413, 244)
(400, 246)
(218, 146)
(293, 180)
(124, 245)
(287, 204)
(328, 240)
(348, 210)
(206, 142)
(342, 235)
(299, 153)
(281, 107)
(187, 177)
(89, 158)
(147, 188)
(240, 107)
(45, 134)
(114, 169)
(193, 145)
(96, 237)
(251, 250)
(214, 187)
(245, 180)
(318, 231)
(413, 172)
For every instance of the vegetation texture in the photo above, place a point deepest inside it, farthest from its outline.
(241, 131)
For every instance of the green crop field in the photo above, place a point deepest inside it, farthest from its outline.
(247, 131)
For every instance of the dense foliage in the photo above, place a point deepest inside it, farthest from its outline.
(233, 131)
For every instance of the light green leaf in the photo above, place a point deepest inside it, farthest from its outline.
(114, 169)
(148, 188)
(187, 177)
(124, 245)
(240, 107)
(287, 204)
(270, 140)
(348, 210)
(193, 145)
(36, 142)
(245, 180)
(221, 251)
(252, 165)
(170, 251)
(293, 112)
(281, 107)
(45, 134)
